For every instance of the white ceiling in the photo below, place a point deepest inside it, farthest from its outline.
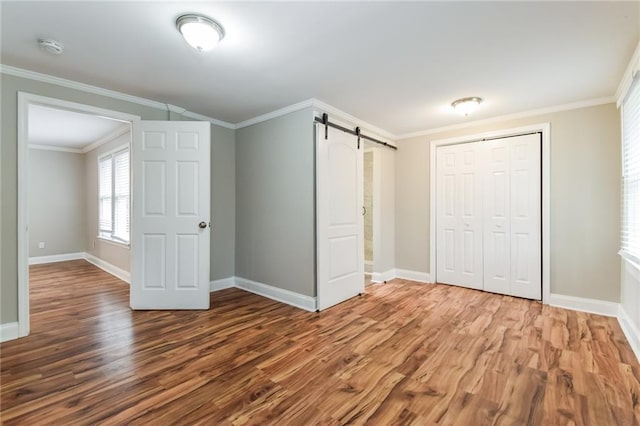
(66, 129)
(395, 65)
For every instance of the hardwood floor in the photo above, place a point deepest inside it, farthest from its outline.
(403, 353)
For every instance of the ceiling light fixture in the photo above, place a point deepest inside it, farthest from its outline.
(51, 46)
(466, 106)
(200, 32)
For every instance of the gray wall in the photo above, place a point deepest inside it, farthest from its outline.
(9, 177)
(56, 202)
(223, 203)
(114, 253)
(275, 203)
(585, 199)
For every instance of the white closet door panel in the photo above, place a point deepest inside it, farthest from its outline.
(525, 220)
(497, 241)
(459, 216)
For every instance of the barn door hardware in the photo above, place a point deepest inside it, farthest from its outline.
(324, 120)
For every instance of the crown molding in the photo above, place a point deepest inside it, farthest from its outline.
(501, 118)
(107, 138)
(274, 114)
(55, 148)
(629, 74)
(87, 88)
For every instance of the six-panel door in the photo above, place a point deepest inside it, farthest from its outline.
(494, 200)
(170, 215)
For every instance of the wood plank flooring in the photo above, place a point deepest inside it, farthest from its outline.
(403, 353)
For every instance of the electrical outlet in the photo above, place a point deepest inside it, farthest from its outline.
(41, 244)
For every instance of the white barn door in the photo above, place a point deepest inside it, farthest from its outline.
(340, 226)
(170, 232)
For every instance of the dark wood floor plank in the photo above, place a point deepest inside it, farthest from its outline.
(402, 353)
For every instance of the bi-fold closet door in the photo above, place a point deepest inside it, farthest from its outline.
(488, 215)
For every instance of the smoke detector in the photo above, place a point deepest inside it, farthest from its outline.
(51, 46)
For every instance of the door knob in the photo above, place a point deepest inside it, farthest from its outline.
(202, 225)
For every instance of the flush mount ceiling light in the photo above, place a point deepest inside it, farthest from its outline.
(466, 106)
(200, 32)
(51, 46)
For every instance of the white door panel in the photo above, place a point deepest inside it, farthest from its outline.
(488, 216)
(340, 222)
(526, 220)
(459, 231)
(171, 179)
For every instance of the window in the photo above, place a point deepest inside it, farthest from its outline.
(113, 209)
(630, 240)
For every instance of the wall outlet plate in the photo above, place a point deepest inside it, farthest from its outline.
(41, 244)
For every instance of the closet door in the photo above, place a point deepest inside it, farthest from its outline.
(512, 216)
(526, 217)
(459, 215)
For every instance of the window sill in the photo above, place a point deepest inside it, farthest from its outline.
(631, 263)
(114, 242)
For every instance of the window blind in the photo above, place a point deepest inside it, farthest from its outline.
(630, 238)
(104, 208)
(121, 196)
(114, 196)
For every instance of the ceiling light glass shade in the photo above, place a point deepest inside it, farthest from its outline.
(466, 106)
(200, 32)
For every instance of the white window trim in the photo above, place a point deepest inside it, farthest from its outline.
(112, 152)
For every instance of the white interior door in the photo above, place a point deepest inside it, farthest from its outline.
(525, 216)
(340, 230)
(459, 215)
(170, 232)
(488, 223)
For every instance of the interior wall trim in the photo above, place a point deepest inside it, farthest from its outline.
(298, 300)
(87, 88)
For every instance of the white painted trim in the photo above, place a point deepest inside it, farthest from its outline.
(318, 106)
(9, 331)
(38, 260)
(592, 306)
(406, 274)
(285, 296)
(222, 284)
(107, 138)
(24, 100)
(545, 128)
(275, 114)
(109, 268)
(515, 116)
(87, 88)
(630, 330)
(382, 277)
(627, 78)
(55, 148)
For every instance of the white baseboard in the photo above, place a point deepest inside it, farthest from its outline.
(108, 267)
(285, 296)
(222, 284)
(38, 260)
(405, 274)
(630, 330)
(593, 306)
(9, 331)
(380, 277)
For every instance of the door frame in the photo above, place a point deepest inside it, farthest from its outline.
(24, 100)
(545, 129)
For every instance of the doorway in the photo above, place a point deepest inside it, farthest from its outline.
(115, 125)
